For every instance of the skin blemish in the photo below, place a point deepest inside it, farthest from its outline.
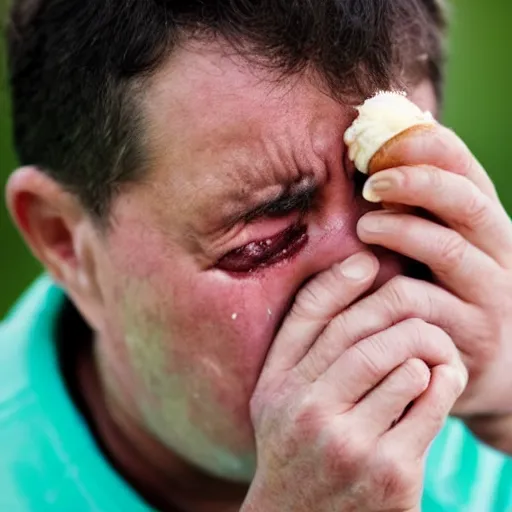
(234, 316)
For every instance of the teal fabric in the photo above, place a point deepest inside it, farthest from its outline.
(49, 461)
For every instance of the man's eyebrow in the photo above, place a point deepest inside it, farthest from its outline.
(294, 197)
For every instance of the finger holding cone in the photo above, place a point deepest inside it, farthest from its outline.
(392, 155)
(419, 167)
(391, 131)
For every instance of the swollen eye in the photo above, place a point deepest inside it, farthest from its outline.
(264, 253)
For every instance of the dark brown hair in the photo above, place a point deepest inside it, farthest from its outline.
(75, 67)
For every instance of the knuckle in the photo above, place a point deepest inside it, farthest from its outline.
(308, 302)
(396, 481)
(312, 366)
(452, 252)
(476, 212)
(417, 329)
(489, 327)
(273, 396)
(434, 178)
(306, 417)
(325, 351)
(428, 340)
(400, 285)
(291, 424)
(430, 306)
(339, 328)
(397, 294)
(321, 294)
(369, 354)
(404, 296)
(350, 448)
(416, 374)
(426, 330)
(346, 451)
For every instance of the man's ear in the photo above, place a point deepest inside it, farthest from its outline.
(60, 234)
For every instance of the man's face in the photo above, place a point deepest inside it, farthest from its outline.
(248, 195)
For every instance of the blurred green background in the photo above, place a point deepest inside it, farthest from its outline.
(478, 107)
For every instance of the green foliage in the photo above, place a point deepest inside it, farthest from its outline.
(478, 107)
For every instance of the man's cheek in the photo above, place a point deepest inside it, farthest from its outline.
(164, 372)
(225, 326)
(194, 363)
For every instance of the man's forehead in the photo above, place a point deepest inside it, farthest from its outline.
(212, 106)
(209, 88)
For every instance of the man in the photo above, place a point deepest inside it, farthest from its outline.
(228, 324)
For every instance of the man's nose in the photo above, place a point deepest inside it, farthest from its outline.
(335, 246)
(333, 238)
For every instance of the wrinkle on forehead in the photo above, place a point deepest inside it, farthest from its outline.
(217, 125)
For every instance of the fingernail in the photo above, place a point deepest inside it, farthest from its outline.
(357, 267)
(375, 223)
(377, 184)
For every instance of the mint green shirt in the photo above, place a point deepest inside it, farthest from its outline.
(49, 460)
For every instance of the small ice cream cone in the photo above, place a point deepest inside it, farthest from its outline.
(382, 118)
(384, 121)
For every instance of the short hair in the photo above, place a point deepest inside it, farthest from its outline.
(77, 66)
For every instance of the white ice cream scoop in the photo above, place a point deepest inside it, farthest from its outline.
(381, 118)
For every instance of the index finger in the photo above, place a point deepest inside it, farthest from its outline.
(316, 305)
(434, 145)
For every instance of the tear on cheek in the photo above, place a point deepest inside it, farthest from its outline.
(263, 253)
